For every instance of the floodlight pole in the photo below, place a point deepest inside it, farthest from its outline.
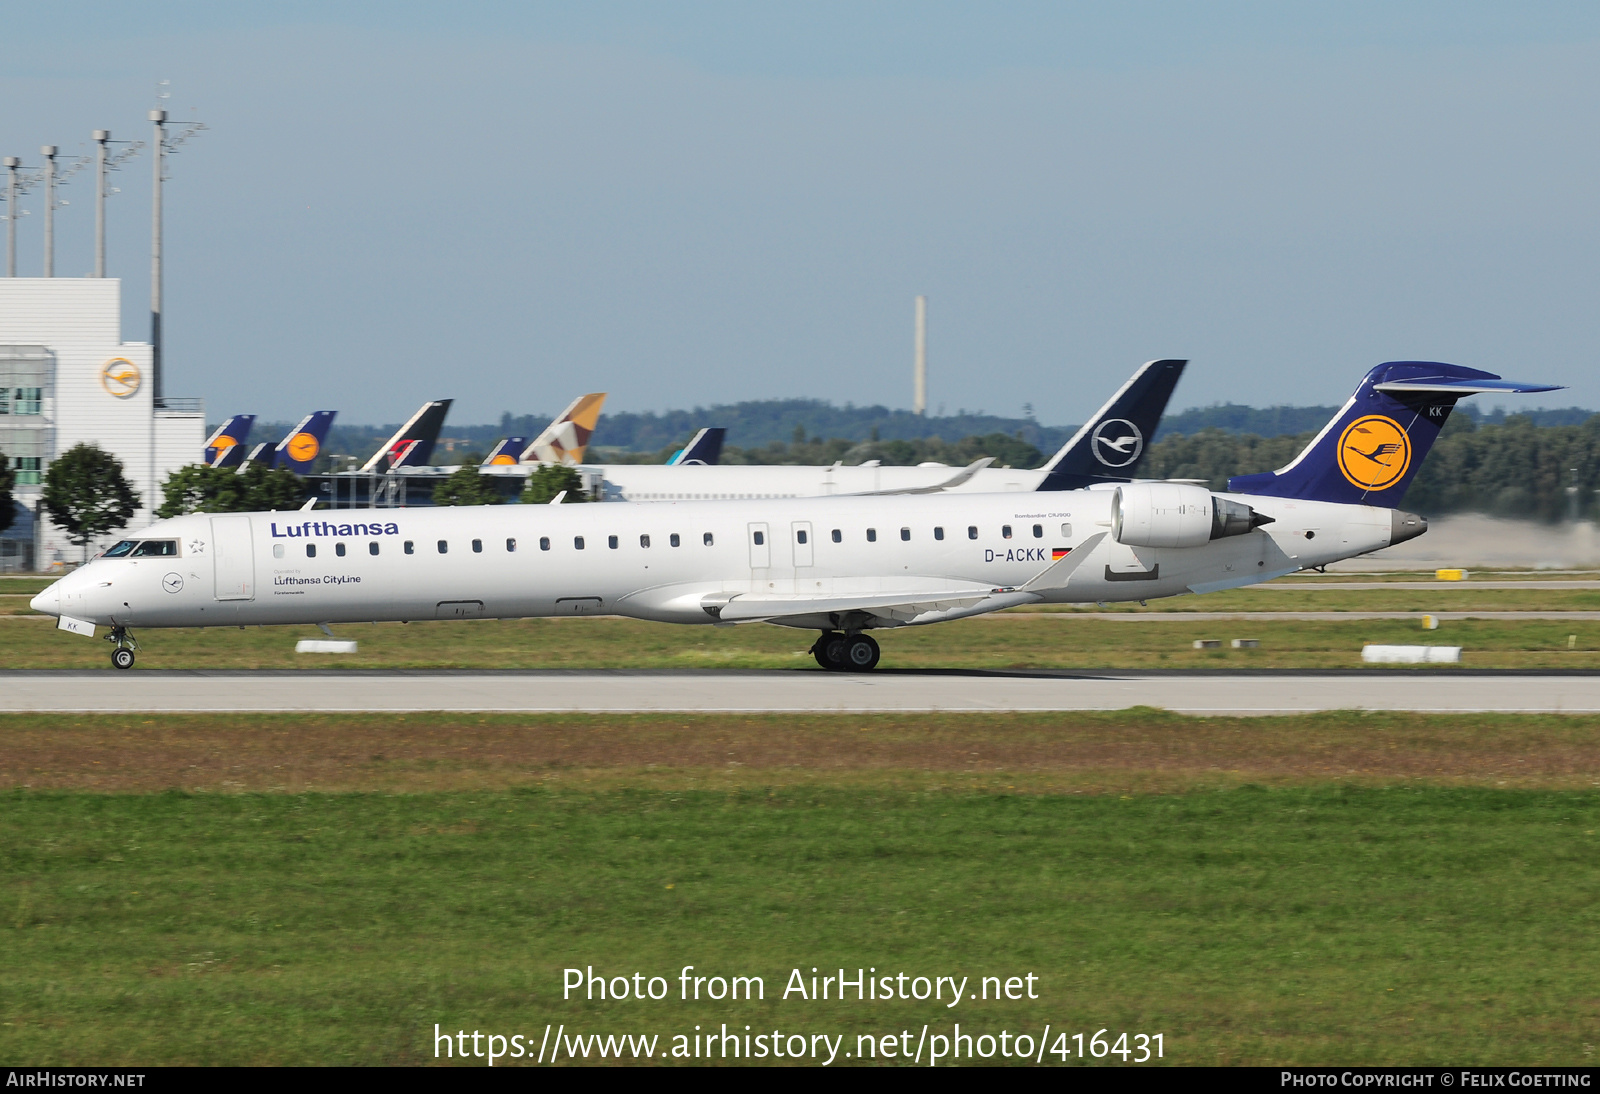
(919, 384)
(101, 136)
(49, 153)
(159, 117)
(11, 165)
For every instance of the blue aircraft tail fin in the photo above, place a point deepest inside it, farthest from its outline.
(1110, 445)
(703, 450)
(507, 452)
(1371, 450)
(303, 444)
(226, 447)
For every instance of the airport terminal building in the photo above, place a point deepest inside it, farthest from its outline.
(66, 377)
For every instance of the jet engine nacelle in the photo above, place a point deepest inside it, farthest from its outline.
(1170, 514)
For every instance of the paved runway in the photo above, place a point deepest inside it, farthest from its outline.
(146, 691)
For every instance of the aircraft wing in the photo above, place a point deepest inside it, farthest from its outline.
(903, 604)
(948, 484)
(900, 605)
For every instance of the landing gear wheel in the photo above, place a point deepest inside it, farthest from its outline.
(829, 650)
(861, 655)
(122, 657)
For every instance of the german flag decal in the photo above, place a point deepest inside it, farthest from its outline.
(1059, 553)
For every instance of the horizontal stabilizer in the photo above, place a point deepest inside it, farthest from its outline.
(1466, 387)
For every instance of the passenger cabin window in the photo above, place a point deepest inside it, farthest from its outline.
(156, 548)
(674, 540)
(511, 545)
(707, 539)
(800, 536)
(1066, 529)
(1005, 530)
(544, 543)
(905, 534)
(972, 531)
(872, 535)
(611, 542)
(277, 550)
(761, 537)
(938, 533)
(372, 548)
(444, 546)
(477, 546)
(311, 550)
(411, 548)
(644, 541)
(577, 543)
(1038, 531)
(838, 536)
(122, 547)
(338, 549)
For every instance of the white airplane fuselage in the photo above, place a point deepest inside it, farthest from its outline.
(909, 559)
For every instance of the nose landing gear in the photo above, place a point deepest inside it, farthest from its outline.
(846, 653)
(122, 647)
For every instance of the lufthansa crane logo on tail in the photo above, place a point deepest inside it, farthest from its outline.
(303, 447)
(120, 377)
(1374, 452)
(1116, 442)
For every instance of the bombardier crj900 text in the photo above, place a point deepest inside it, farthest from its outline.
(839, 565)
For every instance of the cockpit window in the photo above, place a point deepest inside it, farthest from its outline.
(149, 547)
(120, 548)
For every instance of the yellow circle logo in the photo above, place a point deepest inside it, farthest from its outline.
(503, 460)
(1374, 452)
(120, 377)
(303, 447)
(224, 441)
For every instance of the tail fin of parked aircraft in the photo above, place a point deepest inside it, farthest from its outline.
(412, 444)
(226, 447)
(1371, 450)
(1110, 445)
(703, 450)
(506, 452)
(303, 444)
(566, 439)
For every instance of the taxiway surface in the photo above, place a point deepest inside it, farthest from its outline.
(146, 691)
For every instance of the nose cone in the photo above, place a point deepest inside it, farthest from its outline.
(48, 602)
(1404, 526)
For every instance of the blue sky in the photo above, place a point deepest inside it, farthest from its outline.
(683, 204)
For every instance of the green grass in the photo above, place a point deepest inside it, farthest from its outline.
(1001, 641)
(1290, 925)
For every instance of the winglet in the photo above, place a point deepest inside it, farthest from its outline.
(1056, 575)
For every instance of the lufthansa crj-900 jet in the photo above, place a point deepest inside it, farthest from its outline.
(842, 566)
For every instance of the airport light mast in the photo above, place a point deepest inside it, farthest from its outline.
(54, 177)
(11, 165)
(164, 147)
(105, 161)
(919, 379)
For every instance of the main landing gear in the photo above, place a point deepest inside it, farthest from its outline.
(846, 652)
(122, 647)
